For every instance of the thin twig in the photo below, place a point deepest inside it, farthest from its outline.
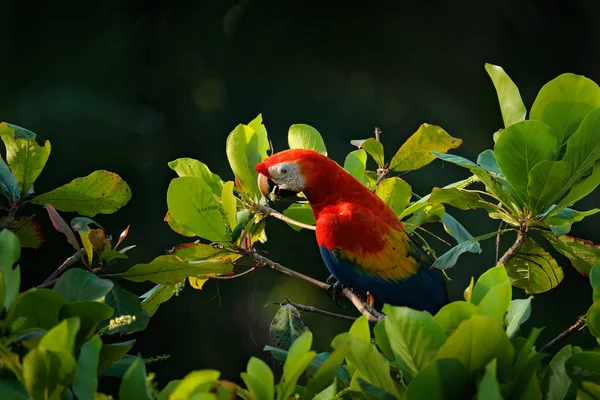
(315, 310)
(68, 264)
(276, 214)
(576, 327)
(498, 242)
(24, 223)
(12, 212)
(225, 277)
(514, 249)
(365, 309)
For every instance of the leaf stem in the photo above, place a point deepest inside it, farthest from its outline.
(579, 325)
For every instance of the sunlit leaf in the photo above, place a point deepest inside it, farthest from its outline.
(229, 204)
(563, 103)
(356, 163)
(460, 199)
(580, 189)
(170, 269)
(10, 253)
(327, 371)
(191, 167)
(511, 105)
(416, 152)
(518, 313)
(259, 379)
(302, 136)
(194, 384)
(47, 374)
(24, 156)
(298, 358)
(201, 251)
(582, 253)
(61, 225)
(453, 314)
(373, 148)
(244, 153)
(449, 258)
(395, 192)
(192, 204)
(492, 293)
(61, 338)
(454, 159)
(156, 296)
(488, 387)
(177, 227)
(534, 269)
(101, 192)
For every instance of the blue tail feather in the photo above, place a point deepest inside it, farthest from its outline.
(426, 290)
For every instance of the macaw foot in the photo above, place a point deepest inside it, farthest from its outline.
(335, 289)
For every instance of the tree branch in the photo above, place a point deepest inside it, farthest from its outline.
(576, 327)
(276, 214)
(315, 310)
(66, 265)
(364, 308)
(12, 212)
(514, 249)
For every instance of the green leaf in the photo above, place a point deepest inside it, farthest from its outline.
(460, 199)
(201, 251)
(511, 105)
(328, 393)
(134, 385)
(416, 152)
(229, 204)
(595, 280)
(372, 392)
(373, 366)
(156, 296)
(566, 217)
(360, 329)
(120, 367)
(25, 157)
(356, 163)
(503, 193)
(454, 159)
(191, 167)
(61, 338)
(564, 102)
(111, 352)
(84, 234)
(301, 213)
(593, 320)
(126, 304)
(326, 372)
(373, 148)
(286, 327)
(101, 192)
(492, 293)
(48, 374)
(85, 383)
(10, 253)
(547, 183)
(534, 269)
(259, 380)
(395, 192)
(244, 152)
(582, 253)
(520, 148)
(80, 285)
(194, 384)
(11, 388)
(440, 380)
(192, 204)
(176, 226)
(414, 337)
(457, 231)
(449, 258)
(488, 387)
(301, 136)
(298, 358)
(584, 370)
(90, 313)
(453, 314)
(170, 269)
(487, 160)
(39, 308)
(580, 189)
(518, 314)
(557, 384)
(484, 334)
(8, 182)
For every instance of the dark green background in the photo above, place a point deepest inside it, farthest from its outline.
(129, 86)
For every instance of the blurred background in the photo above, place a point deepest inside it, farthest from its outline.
(129, 86)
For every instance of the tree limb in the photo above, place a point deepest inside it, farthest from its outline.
(576, 327)
(276, 214)
(66, 265)
(514, 249)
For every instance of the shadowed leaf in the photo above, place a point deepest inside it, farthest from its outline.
(534, 269)
(10, 253)
(61, 225)
(79, 285)
(582, 253)
(286, 327)
(584, 370)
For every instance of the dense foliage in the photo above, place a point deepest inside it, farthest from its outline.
(58, 338)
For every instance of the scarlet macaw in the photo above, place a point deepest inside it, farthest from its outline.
(361, 240)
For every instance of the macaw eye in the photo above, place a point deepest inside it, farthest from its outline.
(283, 170)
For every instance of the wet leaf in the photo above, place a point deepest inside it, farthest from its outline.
(101, 192)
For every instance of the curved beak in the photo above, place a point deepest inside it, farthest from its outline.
(265, 185)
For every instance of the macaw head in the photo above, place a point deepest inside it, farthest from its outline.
(292, 171)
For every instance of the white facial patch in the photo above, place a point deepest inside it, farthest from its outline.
(287, 176)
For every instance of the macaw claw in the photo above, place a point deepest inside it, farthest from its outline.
(335, 289)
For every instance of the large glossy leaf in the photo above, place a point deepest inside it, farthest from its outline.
(520, 148)
(126, 304)
(47, 374)
(8, 182)
(170, 269)
(395, 192)
(414, 337)
(39, 307)
(442, 379)
(25, 157)
(557, 384)
(453, 314)
(534, 269)
(580, 189)
(484, 334)
(191, 167)
(584, 370)
(511, 104)
(10, 253)
(80, 285)
(259, 379)
(176, 226)
(582, 253)
(192, 204)
(518, 313)
(487, 160)
(456, 160)
(504, 194)
(373, 148)
(286, 327)
(547, 183)
(101, 192)
(301, 213)
(492, 294)
(302, 136)
(416, 152)
(563, 103)
(356, 163)
(85, 382)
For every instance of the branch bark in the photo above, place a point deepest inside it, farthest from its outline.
(576, 327)
(66, 265)
(276, 214)
(514, 249)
